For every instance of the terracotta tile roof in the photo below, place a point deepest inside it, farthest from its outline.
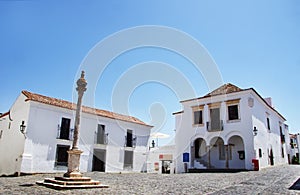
(68, 105)
(224, 89)
(4, 114)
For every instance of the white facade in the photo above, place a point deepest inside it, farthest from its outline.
(121, 146)
(294, 147)
(161, 159)
(216, 131)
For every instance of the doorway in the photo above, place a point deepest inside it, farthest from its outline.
(99, 157)
(166, 166)
(271, 157)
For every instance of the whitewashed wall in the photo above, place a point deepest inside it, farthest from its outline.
(186, 133)
(12, 140)
(37, 153)
(41, 142)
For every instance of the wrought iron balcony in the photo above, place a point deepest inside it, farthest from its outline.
(66, 134)
(101, 138)
(130, 141)
(216, 125)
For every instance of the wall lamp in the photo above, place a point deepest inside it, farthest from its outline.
(255, 131)
(22, 127)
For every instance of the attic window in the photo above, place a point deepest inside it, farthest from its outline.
(268, 124)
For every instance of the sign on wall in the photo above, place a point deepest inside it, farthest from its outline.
(186, 157)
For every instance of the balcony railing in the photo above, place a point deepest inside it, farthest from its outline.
(216, 125)
(101, 138)
(130, 142)
(66, 134)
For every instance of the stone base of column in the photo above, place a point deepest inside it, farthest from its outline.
(73, 178)
(73, 163)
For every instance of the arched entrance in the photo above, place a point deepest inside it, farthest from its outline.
(236, 153)
(217, 153)
(198, 153)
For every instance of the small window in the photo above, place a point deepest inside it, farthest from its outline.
(1, 134)
(268, 124)
(198, 117)
(62, 155)
(233, 112)
(282, 137)
(259, 153)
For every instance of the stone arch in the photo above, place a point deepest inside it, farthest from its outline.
(198, 149)
(212, 137)
(231, 134)
(236, 151)
(217, 152)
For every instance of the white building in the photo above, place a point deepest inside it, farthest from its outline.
(110, 142)
(227, 129)
(160, 159)
(294, 147)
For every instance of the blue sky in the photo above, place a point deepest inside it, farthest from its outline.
(254, 44)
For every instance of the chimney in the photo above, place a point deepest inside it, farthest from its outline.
(269, 101)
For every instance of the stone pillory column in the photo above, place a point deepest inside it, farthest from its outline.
(73, 178)
(74, 153)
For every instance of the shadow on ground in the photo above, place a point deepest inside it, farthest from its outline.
(296, 185)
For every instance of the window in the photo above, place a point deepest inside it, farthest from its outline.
(215, 122)
(233, 112)
(233, 109)
(128, 159)
(198, 114)
(65, 128)
(282, 137)
(129, 139)
(259, 152)
(268, 124)
(198, 117)
(62, 155)
(292, 143)
(101, 136)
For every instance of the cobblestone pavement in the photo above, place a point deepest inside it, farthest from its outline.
(274, 180)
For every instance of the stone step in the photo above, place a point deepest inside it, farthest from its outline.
(198, 165)
(68, 187)
(73, 178)
(60, 182)
(216, 170)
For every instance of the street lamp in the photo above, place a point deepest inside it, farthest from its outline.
(22, 127)
(255, 131)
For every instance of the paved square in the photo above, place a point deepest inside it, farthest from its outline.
(273, 180)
